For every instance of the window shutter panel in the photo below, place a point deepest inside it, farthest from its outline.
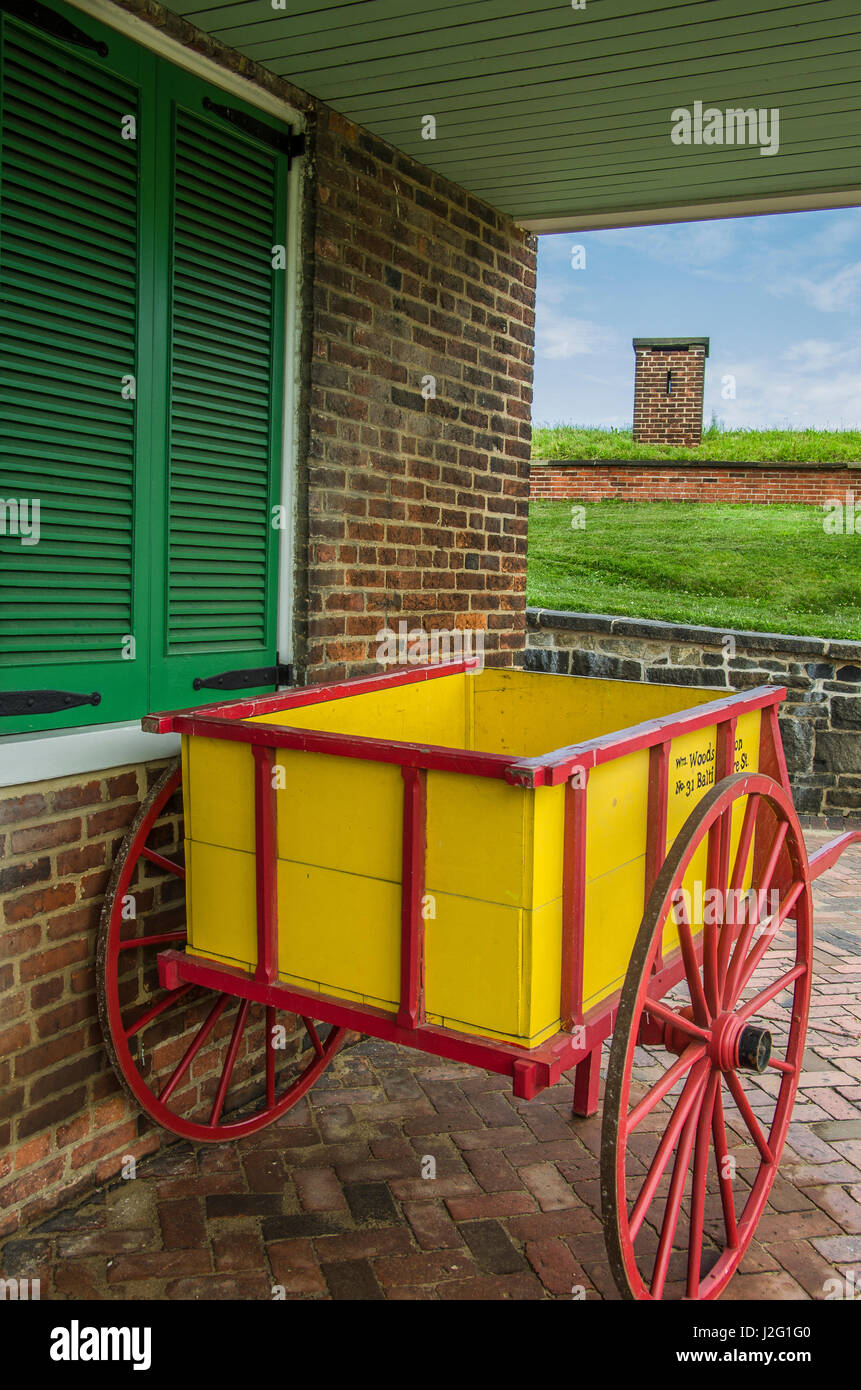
(69, 195)
(223, 426)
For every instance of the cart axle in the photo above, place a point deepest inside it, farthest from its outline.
(754, 1049)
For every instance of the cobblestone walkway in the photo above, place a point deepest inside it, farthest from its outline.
(331, 1202)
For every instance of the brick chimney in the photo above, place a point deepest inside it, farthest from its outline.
(668, 390)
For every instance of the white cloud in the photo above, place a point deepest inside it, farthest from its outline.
(821, 354)
(834, 294)
(797, 393)
(691, 245)
(559, 335)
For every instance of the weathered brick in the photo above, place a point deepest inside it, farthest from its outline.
(77, 794)
(39, 903)
(21, 808)
(23, 875)
(157, 1264)
(47, 836)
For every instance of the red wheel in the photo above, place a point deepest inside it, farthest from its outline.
(723, 1047)
(203, 1064)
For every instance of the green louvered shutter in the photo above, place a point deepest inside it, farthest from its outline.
(223, 426)
(69, 309)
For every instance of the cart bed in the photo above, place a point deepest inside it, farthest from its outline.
(489, 758)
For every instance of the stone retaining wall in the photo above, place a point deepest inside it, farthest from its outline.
(820, 718)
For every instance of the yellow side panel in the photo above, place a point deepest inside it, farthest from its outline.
(477, 829)
(547, 842)
(748, 731)
(614, 910)
(219, 790)
(692, 762)
(616, 819)
(542, 970)
(473, 964)
(222, 903)
(527, 713)
(431, 711)
(339, 932)
(692, 766)
(341, 813)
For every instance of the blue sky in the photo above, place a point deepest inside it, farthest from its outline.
(779, 297)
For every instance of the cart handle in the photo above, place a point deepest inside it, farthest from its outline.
(830, 853)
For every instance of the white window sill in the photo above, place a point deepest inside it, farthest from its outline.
(26, 758)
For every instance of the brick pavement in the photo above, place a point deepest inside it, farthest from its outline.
(333, 1201)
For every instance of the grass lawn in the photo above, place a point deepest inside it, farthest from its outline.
(727, 446)
(773, 569)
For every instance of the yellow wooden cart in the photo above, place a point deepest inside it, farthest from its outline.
(498, 867)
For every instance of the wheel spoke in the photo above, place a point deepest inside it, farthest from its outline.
(768, 935)
(693, 1089)
(742, 854)
(674, 1204)
(786, 1067)
(684, 1025)
(168, 864)
(692, 969)
(741, 1100)
(698, 1188)
(230, 1060)
(692, 1054)
(722, 1161)
(734, 888)
(156, 940)
(716, 878)
(770, 992)
(773, 856)
(745, 936)
(270, 1056)
(173, 998)
(732, 988)
(314, 1036)
(194, 1047)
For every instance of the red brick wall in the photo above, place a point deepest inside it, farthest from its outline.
(676, 418)
(417, 507)
(63, 1118)
(410, 509)
(639, 482)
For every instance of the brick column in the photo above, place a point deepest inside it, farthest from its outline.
(668, 390)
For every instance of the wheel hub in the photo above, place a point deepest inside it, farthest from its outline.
(735, 1044)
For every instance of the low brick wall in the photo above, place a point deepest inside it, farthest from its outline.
(633, 481)
(820, 719)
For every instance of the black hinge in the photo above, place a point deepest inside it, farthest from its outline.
(246, 680)
(288, 143)
(43, 701)
(52, 23)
